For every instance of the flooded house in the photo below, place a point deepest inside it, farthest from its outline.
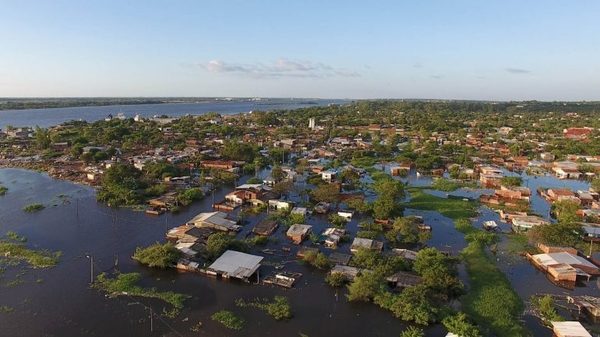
(359, 243)
(298, 232)
(524, 223)
(403, 279)
(215, 220)
(332, 236)
(265, 227)
(234, 264)
(349, 272)
(564, 266)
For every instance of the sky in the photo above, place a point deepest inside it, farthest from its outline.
(444, 49)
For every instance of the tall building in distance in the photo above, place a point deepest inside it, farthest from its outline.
(311, 123)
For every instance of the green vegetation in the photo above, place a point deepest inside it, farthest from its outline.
(15, 237)
(31, 208)
(3, 190)
(126, 284)
(5, 309)
(424, 303)
(511, 181)
(447, 185)
(279, 308)
(228, 319)
(317, 259)
(157, 255)
(121, 186)
(218, 243)
(566, 211)
(412, 331)
(336, 280)
(186, 197)
(389, 192)
(459, 325)
(337, 220)
(16, 251)
(491, 301)
(451, 207)
(406, 230)
(544, 307)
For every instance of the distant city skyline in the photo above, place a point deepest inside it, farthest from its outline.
(472, 50)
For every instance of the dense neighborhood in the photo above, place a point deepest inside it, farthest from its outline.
(356, 192)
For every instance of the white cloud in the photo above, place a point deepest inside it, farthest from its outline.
(280, 68)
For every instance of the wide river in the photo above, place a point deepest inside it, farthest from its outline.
(55, 116)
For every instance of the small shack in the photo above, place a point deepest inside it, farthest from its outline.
(349, 272)
(366, 244)
(404, 280)
(298, 232)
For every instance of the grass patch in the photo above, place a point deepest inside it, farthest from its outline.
(450, 207)
(447, 185)
(518, 244)
(31, 208)
(126, 284)
(3, 190)
(228, 319)
(279, 308)
(5, 309)
(491, 301)
(17, 252)
(15, 237)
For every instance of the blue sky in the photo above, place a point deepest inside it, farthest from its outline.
(500, 50)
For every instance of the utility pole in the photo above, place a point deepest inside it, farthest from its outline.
(91, 258)
(151, 320)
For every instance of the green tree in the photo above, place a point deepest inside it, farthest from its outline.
(566, 211)
(459, 325)
(365, 286)
(157, 255)
(327, 193)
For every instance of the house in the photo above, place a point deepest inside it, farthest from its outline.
(218, 164)
(322, 207)
(407, 254)
(591, 231)
(359, 243)
(235, 264)
(300, 211)
(339, 258)
(349, 273)
(577, 133)
(569, 329)
(346, 214)
(216, 220)
(279, 204)
(525, 222)
(333, 236)
(328, 175)
(404, 279)
(298, 232)
(564, 266)
(566, 170)
(265, 227)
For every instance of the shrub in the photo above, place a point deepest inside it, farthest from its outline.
(31, 208)
(228, 319)
(157, 255)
